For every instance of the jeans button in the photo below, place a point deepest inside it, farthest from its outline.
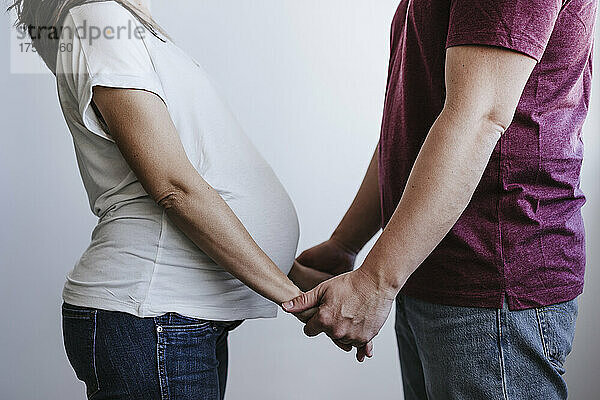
(159, 329)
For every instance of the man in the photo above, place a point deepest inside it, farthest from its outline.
(476, 179)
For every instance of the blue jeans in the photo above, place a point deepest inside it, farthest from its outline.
(464, 353)
(170, 357)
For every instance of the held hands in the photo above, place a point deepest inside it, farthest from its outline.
(350, 308)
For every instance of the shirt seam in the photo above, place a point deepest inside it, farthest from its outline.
(87, 60)
(89, 82)
(94, 77)
(132, 306)
(465, 294)
(154, 67)
(517, 37)
(500, 261)
(71, 293)
(538, 125)
(473, 294)
(546, 290)
(173, 304)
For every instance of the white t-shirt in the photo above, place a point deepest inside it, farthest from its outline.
(138, 261)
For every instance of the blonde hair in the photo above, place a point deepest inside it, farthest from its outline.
(49, 14)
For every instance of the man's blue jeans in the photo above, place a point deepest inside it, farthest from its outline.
(463, 353)
(120, 356)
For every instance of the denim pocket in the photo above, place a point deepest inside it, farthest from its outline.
(173, 322)
(79, 337)
(557, 330)
(186, 352)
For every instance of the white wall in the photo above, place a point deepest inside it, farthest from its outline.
(306, 80)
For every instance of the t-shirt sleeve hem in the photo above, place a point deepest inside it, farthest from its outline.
(90, 120)
(511, 42)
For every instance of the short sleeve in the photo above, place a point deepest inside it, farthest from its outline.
(103, 48)
(524, 26)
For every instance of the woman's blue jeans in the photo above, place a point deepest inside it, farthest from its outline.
(463, 353)
(170, 357)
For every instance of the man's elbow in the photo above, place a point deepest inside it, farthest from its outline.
(496, 120)
(487, 116)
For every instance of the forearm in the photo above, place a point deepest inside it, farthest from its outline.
(441, 184)
(363, 219)
(209, 222)
(148, 140)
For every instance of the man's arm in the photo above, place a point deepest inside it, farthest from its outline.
(363, 219)
(337, 255)
(484, 85)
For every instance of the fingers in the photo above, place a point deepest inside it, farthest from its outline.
(361, 353)
(346, 347)
(303, 302)
(364, 351)
(369, 348)
(314, 326)
(305, 316)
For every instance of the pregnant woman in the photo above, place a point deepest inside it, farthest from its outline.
(195, 233)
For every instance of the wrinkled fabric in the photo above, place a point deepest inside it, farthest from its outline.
(522, 235)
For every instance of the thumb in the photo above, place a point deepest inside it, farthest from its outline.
(303, 302)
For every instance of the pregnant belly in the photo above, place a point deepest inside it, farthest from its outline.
(266, 212)
(271, 220)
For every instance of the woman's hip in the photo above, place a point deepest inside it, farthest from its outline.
(121, 356)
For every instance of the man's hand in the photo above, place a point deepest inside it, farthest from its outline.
(352, 309)
(307, 278)
(331, 257)
(305, 316)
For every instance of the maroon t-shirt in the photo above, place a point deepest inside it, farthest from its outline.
(522, 235)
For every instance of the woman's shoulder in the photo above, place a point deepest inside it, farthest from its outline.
(101, 17)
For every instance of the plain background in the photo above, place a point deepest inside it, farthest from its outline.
(306, 80)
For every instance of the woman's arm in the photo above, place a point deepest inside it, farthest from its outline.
(142, 128)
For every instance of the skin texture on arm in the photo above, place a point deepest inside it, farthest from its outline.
(142, 128)
(484, 85)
